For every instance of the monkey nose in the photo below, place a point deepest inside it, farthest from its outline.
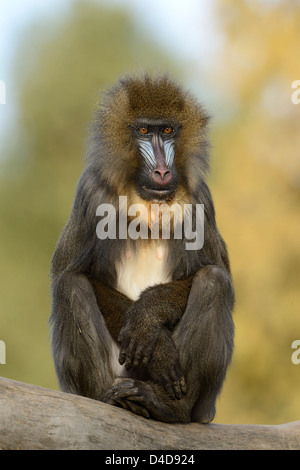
(161, 176)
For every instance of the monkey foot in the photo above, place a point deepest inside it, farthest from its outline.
(123, 394)
(145, 399)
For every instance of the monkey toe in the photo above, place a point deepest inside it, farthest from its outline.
(121, 388)
(136, 408)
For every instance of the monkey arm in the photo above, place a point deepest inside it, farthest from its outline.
(158, 308)
(113, 306)
(167, 302)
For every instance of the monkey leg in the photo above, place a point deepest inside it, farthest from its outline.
(204, 340)
(82, 345)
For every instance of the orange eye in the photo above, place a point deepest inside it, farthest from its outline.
(143, 130)
(168, 130)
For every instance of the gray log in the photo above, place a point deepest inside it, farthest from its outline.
(33, 417)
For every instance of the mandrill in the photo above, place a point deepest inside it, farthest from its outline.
(140, 320)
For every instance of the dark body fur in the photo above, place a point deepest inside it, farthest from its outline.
(177, 338)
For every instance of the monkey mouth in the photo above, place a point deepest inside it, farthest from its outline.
(158, 194)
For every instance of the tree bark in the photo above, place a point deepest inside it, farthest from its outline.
(33, 417)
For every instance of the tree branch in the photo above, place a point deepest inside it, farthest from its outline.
(33, 417)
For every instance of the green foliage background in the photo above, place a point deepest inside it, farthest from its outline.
(255, 180)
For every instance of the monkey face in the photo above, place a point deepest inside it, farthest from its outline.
(149, 140)
(156, 177)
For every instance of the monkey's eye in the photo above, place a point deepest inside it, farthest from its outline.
(168, 130)
(143, 130)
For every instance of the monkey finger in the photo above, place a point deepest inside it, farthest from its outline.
(130, 355)
(128, 361)
(181, 379)
(124, 351)
(173, 388)
(177, 390)
(147, 353)
(136, 360)
(122, 356)
(146, 360)
(167, 384)
(175, 381)
(139, 356)
(183, 385)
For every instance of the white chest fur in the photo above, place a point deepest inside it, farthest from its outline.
(138, 270)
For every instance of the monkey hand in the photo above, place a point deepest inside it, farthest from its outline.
(138, 336)
(164, 366)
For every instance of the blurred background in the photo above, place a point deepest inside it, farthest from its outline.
(240, 57)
